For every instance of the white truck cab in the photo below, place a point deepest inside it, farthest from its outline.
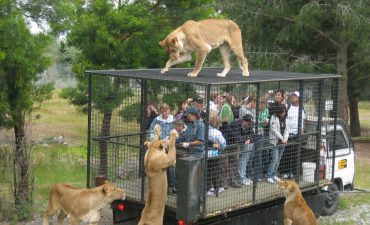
(344, 165)
(335, 143)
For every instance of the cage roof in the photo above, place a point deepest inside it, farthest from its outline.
(209, 75)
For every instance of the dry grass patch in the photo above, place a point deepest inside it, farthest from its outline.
(58, 118)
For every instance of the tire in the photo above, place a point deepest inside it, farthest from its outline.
(331, 201)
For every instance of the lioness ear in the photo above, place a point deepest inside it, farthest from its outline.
(147, 143)
(162, 144)
(174, 40)
(105, 189)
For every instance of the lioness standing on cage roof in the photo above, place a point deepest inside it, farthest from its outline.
(202, 37)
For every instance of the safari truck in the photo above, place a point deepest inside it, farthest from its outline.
(320, 157)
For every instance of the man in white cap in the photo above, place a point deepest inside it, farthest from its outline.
(293, 114)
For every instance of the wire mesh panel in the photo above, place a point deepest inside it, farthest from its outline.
(114, 132)
(248, 133)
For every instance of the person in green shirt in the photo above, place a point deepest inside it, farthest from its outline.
(226, 113)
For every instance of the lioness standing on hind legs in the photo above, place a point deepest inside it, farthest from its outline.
(156, 161)
(202, 37)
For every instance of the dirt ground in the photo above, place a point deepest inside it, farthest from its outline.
(360, 213)
(362, 151)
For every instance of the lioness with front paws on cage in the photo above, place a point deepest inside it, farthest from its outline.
(156, 162)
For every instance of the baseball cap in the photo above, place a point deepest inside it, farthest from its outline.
(296, 93)
(191, 110)
(198, 99)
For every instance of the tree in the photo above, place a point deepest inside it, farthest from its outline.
(113, 33)
(331, 33)
(118, 36)
(22, 59)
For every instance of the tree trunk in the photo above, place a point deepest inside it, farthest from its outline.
(105, 134)
(22, 164)
(342, 59)
(355, 128)
(103, 144)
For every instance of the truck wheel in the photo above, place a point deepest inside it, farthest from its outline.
(331, 201)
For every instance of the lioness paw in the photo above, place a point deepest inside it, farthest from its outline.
(246, 73)
(165, 70)
(192, 74)
(157, 132)
(221, 75)
(174, 133)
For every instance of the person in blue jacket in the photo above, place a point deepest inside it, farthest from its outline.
(165, 121)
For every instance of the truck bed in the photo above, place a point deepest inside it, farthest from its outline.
(230, 199)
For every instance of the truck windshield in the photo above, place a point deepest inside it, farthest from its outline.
(340, 142)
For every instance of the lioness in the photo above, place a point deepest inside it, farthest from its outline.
(296, 210)
(202, 37)
(80, 204)
(156, 161)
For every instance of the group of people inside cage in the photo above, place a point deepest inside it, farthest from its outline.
(234, 132)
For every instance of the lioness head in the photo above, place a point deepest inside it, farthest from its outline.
(158, 145)
(113, 192)
(172, 46)
(288, 186)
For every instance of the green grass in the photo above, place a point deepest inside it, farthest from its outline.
(361, 139)
(362, 177)
(57, 164)
(50, 165)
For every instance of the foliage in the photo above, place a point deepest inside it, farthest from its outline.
(119, 36)
(20, 67)
(113, 31)
(58, 14)
(316, 36)
(312, 28)
(22, 60)
(124, 36)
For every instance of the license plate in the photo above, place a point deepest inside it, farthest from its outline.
(342, 164)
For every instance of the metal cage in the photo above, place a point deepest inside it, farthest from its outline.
(118, 127)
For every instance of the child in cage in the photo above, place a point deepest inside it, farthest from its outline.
(217, 143)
